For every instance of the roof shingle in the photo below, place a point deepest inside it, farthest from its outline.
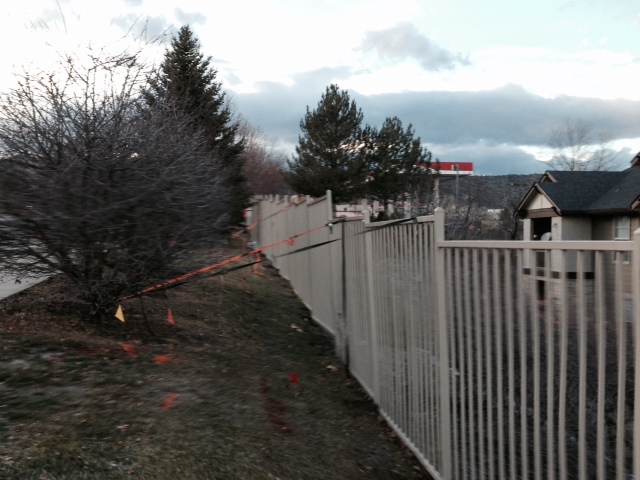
(592, 192)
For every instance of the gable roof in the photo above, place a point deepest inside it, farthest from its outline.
(623, 195)
(582, 193)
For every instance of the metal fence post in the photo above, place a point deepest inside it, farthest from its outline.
(635, 279)
(443, 347)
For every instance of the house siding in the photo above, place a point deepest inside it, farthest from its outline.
(602, 228)
(572, 228)
(538, 202)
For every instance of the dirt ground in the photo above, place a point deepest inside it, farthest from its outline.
(243, 385)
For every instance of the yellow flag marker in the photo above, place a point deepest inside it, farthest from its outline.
(120, 314)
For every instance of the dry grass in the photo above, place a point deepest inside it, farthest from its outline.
(96, 401)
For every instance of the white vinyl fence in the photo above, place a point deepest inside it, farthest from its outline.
(491, 359)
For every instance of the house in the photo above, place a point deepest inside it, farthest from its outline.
(581, 205)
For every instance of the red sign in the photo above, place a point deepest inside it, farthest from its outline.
(462, 167)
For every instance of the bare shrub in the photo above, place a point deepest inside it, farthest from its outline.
(263, 163)
(98, 186)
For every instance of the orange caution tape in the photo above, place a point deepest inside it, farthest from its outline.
(258, 269)
(279, 212)
(218, 265)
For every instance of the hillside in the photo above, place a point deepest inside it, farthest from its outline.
(492, 192)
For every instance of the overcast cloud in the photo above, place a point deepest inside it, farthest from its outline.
(480, 81)
(404, 41)
(150, 28)
(507, 114)
(486, 127)
(195, 18)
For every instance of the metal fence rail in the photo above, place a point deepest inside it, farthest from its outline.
(490, 359)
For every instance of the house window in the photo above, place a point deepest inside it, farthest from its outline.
(621, 228)
(621, 231)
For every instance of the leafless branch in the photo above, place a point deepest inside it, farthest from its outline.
(263, 163)
(578, 147)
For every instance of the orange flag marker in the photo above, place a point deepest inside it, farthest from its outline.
(162, 359)
(120, 314)
(167, 401)
(129, 349)
(170, 317)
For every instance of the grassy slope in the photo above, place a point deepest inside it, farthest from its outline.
(74, 404)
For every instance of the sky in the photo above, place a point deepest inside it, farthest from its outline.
(482, 82)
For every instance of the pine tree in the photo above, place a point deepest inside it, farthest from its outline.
(187, 81)
(330, 151)
(398, 164)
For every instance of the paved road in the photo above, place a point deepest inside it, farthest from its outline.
(9, 286)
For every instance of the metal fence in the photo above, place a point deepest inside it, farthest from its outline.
(490, 359)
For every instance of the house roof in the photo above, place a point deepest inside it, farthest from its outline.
(579, 193)
(622, 195)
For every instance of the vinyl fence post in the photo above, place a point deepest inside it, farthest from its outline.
(373, 316)
(306, 258)
(635, 281)
(443, 347)
(343, 291)
(338, 295)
